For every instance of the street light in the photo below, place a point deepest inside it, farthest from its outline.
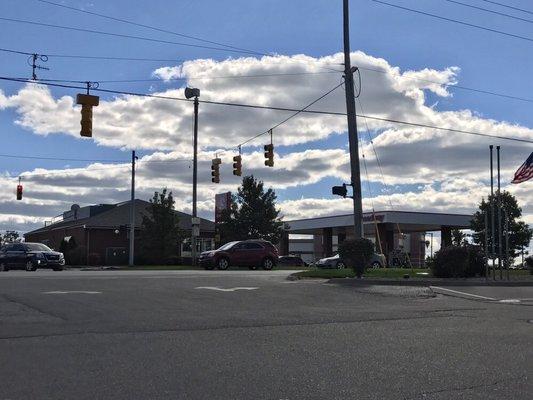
(189, 94)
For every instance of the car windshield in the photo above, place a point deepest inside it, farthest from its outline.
(37, 247)
(228, 246)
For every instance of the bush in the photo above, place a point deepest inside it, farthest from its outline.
(356, 253)
(458, 262)
(76, 256)
(94, 259)
(529, 264)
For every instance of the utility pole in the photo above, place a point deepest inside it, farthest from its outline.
(492, 225)
(131, 261)
(352, 127)
(190, 93)
(500, 239)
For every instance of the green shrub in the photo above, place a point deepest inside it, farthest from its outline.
(458, 262)
(76, 256)
(356, 253)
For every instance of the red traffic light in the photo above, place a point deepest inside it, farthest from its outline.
(19, 192)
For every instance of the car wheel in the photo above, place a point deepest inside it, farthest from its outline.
(30, 266)
(223, 264)
(268, 264)
(4, 267)
(376, 265)
(341, 265)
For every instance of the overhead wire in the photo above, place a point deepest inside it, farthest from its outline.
(508, 6)
(490, 11)
(272, 108)
(121, 35)
(125, 21)
(291, 116)
(485, 28)
(443, 84)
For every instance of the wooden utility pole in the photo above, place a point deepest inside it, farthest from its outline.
(352, 127)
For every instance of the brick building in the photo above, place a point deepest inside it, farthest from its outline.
(103, 231)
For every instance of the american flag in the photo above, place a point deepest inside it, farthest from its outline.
(525, 172)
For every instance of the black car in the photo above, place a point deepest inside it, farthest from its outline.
(30, 256)
(292, 261)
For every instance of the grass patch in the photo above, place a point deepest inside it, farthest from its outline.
(370, 273)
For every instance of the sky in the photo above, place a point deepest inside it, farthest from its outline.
(413, 68)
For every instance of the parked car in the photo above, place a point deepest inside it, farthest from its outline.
(30, 256)
(247, 253)
(376, 261)
(292, 261)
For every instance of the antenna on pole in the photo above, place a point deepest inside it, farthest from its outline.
(32, 62)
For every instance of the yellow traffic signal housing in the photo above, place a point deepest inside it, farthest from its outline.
(87, 102)
(269, 155)
(215, 170)
(237, 165)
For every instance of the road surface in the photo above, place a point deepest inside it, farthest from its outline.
(254, 335)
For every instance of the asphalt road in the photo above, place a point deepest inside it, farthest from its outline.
(253, 335)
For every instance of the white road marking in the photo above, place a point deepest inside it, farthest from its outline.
(72, 292)
(226, 290)
(463, 293)
(510, 301)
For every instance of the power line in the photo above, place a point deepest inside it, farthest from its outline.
(292, 116)
(151, 27)
(455, 21)
(95, 160)
(453, 86)
(162, 80)
(114, 34)
(490, 11)
(258, 107)
(508, 6)
(447, 85)
(96, 57)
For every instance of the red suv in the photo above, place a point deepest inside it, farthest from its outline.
(248, 253)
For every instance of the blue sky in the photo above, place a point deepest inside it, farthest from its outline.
(486, 60)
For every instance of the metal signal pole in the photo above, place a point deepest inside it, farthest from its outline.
(492, 233)
(500, 247)
(194, 180)
(131, 261)
(352, 127)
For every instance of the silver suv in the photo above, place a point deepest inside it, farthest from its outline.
(376, 261)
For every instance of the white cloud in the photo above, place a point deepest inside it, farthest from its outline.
(450, 169)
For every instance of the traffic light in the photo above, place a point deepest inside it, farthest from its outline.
(87, 102)
(339, 190)
(269, 155)
(215, 170)
(19, 192)
(237, 165)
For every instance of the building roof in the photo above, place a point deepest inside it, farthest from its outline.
(408, 221)
(117, 215)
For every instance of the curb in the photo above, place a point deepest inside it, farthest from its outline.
(427, 282)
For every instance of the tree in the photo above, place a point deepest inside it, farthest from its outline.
(10, 237)
(519, 232)
(252, 214)
(160, 233)
(458, 238)
(357, 253)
